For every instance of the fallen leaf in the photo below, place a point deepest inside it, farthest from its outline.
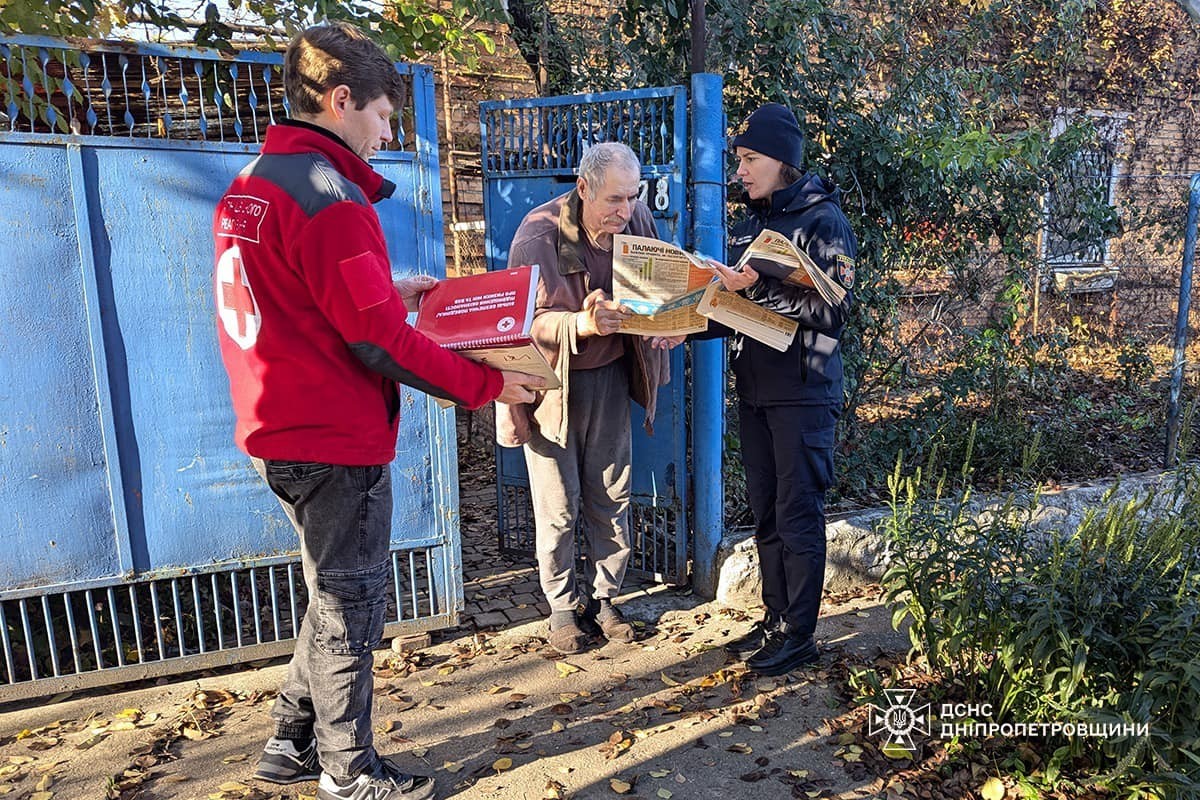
(561, 709)
(497, 689)
(668, 680)
(554, 790)
(665, 794)
(565, 669)
(740, 747)
(419, 752)
(557, 727)
(660, 773)
(501, 764)
(45, 783)
(620, 786)
(992, 789)
(452, 766)
(233, 786)
(235, 758)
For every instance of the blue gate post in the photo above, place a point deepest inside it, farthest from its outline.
(708, 358)
(1181, 319)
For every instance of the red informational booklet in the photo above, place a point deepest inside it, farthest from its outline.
(487, 318)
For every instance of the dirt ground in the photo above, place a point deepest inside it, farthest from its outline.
(495, 715)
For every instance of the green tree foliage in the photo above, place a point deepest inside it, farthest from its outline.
(943, 123)
(405, 28)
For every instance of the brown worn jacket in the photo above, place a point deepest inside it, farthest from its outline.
(551, 237)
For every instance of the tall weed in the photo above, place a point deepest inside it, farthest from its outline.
(1096, 623)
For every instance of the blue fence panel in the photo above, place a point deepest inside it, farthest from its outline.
(53, 468)
(139, 538)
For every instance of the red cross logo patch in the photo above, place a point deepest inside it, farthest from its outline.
(235, 301)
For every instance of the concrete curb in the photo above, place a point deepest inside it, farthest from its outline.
(857, 553)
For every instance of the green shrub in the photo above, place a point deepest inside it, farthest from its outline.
(1097, 624)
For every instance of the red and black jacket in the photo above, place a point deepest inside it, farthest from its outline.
(313, 334)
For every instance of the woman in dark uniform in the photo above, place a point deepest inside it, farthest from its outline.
(788, 402)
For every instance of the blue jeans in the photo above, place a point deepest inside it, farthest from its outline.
(343, 516)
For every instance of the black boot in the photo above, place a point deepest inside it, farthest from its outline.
(782, 653)
(743, 647)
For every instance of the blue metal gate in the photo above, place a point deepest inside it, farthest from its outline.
(531, 150)
(137, 539)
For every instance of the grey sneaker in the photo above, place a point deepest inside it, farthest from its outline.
(386, 783)
(283, 762)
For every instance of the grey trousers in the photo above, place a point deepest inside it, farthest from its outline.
(344, 518)
(588, 480)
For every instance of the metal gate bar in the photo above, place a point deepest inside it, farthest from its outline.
(171, 624)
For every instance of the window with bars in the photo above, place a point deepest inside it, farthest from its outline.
(1075, 236)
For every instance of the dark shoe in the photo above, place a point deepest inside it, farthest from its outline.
(607, 620)
(387, 783)
(783, 653)
(283, 762)
(568, 640)
(743, 647)
(613, 625)
(586, 615)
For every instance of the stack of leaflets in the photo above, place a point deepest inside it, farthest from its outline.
(747, 317)
(487, 317)
(771, 253)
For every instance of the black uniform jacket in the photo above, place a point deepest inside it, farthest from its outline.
(809, 212)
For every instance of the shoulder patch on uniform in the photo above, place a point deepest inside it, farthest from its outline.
(738, 241)
(845, 270)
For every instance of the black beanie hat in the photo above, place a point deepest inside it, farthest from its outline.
(772, 131)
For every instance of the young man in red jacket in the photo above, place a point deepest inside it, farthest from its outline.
(314, 337)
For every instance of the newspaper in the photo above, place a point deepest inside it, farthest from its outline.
(772, 253)
(734, 311)
(661, 284)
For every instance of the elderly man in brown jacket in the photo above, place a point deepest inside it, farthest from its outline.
(577, 439)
